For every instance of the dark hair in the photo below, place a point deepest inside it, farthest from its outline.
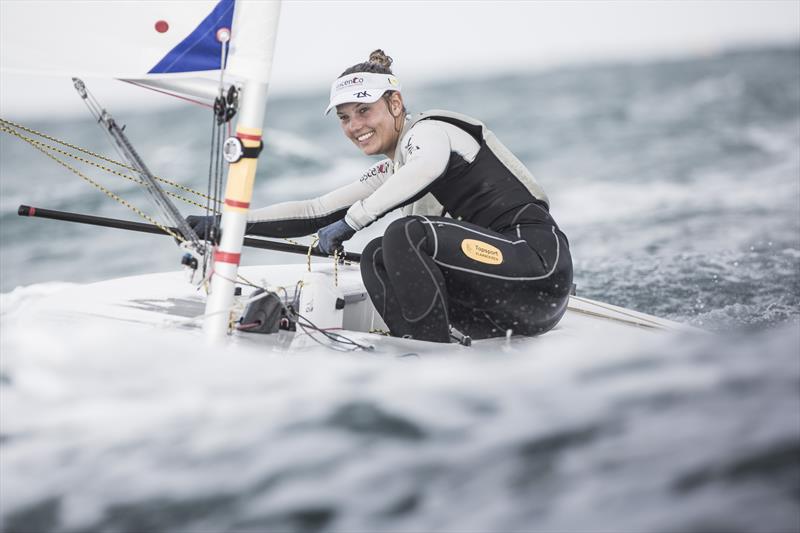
(378, 63)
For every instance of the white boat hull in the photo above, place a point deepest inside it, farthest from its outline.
(167, 300)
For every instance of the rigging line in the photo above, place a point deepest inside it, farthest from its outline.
(334, 337)
(88, 162)
(336, 267)
(189, 190)
(9, 123)
(215, 167)
(101, 116)
(113, 196)
(143, 86)
(217, 127)
(157, 194)
(88, 99)
(220, 171)
(207, 257)
(245, 281)
(237, 305)
(209, 228)
(330, 346)
(209, 193)
(314, 241)
(128, 152)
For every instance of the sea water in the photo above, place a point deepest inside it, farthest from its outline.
(678, 185)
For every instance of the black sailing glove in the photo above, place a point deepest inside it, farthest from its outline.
(333, 235)
(203, 226)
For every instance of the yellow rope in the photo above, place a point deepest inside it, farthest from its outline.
(290, 241)
(336, 268)
(110, 194)
(248, 282)
(336, 256)
(35, 143)
(8, 123)
(7, 126)
(314, 241)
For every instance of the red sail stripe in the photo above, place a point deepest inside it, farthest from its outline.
(236, 203)
(226, 257)
(248, 137)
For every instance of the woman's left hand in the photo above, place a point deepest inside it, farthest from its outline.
(333, 235)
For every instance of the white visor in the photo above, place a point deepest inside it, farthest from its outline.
(365, 87)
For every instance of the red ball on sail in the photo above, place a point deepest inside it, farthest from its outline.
(162, 26)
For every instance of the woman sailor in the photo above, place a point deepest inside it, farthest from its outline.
(478, 251)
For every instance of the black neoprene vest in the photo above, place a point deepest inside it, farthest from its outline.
(484, 192)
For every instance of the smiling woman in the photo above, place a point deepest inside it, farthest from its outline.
(478, 253)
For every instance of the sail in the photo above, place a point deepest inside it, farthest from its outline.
(165, 43)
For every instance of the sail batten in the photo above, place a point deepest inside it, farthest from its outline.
(204, 89)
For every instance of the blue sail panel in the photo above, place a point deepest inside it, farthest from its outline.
(200, 50)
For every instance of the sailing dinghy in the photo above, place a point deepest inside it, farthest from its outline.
(221, 52)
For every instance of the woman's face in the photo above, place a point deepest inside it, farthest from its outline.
(371, 127)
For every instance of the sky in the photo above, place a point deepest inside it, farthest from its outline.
(435, 40)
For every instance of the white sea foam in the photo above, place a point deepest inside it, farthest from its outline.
(124, 418)
(13, 302)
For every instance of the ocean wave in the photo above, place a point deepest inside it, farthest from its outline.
(124, 431)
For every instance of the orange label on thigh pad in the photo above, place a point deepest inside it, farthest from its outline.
(481, 252)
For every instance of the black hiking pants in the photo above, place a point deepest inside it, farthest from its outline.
(428, 273)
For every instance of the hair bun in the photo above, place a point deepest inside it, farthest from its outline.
(379, 57)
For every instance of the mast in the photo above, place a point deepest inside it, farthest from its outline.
(253, 42)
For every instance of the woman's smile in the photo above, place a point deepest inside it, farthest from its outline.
(364, 138)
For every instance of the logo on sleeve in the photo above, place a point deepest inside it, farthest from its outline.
(481, 252)
(380, 168)
(410, 147)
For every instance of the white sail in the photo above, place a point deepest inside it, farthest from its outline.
(168, 44)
